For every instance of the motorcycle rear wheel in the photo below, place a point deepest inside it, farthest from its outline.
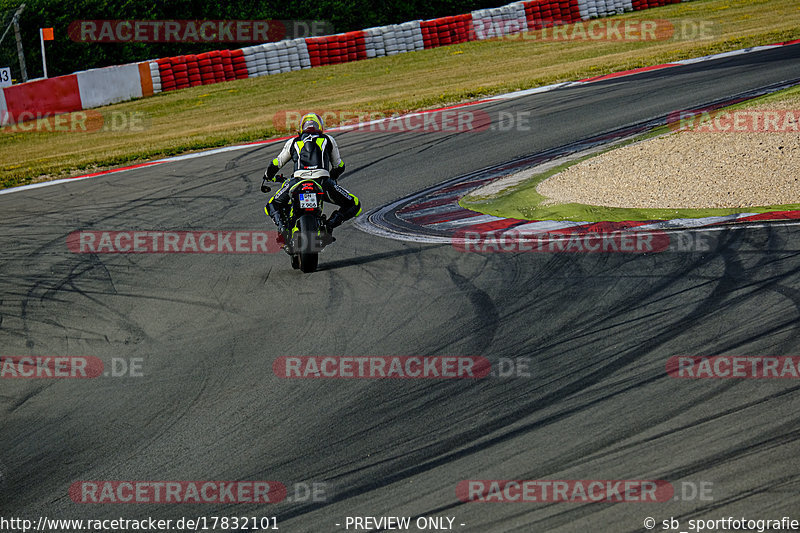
(308, 256)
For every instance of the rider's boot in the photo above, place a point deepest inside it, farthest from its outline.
(333, 222)
(283, 235)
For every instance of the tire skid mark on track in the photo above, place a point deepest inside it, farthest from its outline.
(509, 425)
(486, 315)
(597, 329)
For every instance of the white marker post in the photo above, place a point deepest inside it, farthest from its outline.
(45, 34)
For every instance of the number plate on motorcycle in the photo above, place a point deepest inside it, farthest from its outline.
(308, 201)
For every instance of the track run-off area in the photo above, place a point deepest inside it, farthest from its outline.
(581, 348)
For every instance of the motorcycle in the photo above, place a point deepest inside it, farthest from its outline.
(308, 234)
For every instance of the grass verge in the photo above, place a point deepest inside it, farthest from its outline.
(244, 110)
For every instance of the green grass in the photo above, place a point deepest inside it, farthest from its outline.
(242, 111)
(522, 201)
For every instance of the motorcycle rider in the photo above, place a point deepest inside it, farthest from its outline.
(315, 155)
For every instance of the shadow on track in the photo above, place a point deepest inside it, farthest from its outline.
(356, 261)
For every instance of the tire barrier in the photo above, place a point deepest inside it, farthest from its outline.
(394, 39)
(603, 8)
(447, 30)
(239, 64)
(499, 21)
(334, 49)
(180, 72)
(193, 77)
(544, 13)
(273, 58)
(97, 87)
(155, 76)
(647, 4)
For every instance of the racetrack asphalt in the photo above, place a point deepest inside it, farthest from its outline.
(596, 331)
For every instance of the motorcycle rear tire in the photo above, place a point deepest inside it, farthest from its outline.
(307, 245)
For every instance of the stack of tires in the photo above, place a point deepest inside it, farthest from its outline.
(499, 21)
(166, 75)
(546, 13)
(335, 49)
(393, 39)
(447, 30)
(621, 6)
(659, 3)
(193, 70)
(180, 72)
(603, 8)
(239, 64)
(155, 76)
(408, 36)
(206, 66)
(373, 42)
(255, 61)
(274, 58)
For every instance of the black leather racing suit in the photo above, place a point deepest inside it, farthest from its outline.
(312, 151)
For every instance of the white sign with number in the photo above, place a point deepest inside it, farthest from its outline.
(5, 77)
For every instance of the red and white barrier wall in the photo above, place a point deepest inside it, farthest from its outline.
(98, 87)
(102, 86)
(28, 101)
(3, 108)
(82, 90)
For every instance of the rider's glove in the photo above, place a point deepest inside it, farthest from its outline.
(337, 172)
(269, 174)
